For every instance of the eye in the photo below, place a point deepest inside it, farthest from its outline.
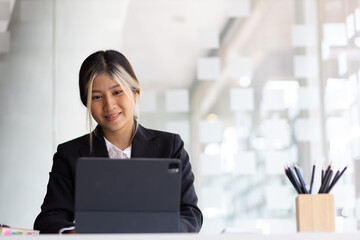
(118, 92)
(96, 97)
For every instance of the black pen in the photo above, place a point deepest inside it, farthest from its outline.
(312, 179)
(303, 185)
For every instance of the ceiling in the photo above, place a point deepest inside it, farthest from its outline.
(162, 38)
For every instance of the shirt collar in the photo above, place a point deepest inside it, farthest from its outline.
(115, 152)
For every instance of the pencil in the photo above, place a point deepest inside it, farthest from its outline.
(335, 180)
(295, 180)
(342, 172)
(312, 178)
(325, 178)
(292, 181)
(303, 185)
(327, 181)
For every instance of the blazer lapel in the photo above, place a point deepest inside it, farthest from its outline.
(100, 149)
(143, 144)
(98, 145)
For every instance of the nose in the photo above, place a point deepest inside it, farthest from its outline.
(108, 103)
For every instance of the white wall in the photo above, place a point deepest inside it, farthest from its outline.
(39, 97)
(26, 121)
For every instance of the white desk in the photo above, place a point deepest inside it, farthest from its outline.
(296, 236)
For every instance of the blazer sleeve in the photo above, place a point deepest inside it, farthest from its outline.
(190, 215)
(57, 210)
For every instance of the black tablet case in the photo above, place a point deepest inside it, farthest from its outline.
(127, 196)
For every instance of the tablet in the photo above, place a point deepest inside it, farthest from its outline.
(127, 195)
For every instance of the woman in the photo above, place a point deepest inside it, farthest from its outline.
(110, 91)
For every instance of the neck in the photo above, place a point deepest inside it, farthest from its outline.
(121, 139)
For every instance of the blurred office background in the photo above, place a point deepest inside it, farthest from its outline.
(251, 85)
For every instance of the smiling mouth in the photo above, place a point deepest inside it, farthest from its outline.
(113, 116)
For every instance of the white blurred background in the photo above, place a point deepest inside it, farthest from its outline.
(251, 85)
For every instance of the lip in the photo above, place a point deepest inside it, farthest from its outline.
(113, 117)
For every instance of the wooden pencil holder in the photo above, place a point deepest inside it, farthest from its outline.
(315, 213)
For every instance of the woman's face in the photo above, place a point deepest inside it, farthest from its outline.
(111, 107)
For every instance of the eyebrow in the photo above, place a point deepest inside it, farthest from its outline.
(115, 86)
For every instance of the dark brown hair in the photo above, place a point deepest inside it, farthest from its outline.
(98, 63)
(115, 65)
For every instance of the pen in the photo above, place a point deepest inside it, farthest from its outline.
(303, 185)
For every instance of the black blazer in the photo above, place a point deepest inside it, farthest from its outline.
(57, 210)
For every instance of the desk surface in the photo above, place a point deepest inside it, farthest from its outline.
(229, 236)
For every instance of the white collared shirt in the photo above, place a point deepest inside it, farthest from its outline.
(115, 152)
